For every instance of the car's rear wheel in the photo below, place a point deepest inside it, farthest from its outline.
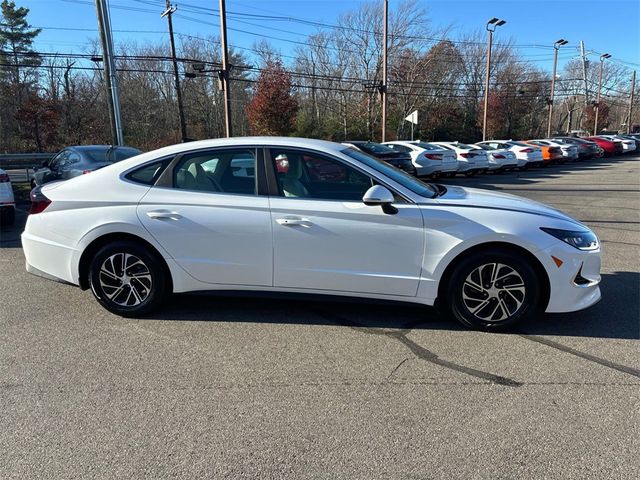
(127, 279)
(493, 290)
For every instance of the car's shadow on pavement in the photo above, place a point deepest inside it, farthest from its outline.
(616, 316)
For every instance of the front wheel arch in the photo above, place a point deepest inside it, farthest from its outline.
(545, 288)
(91, 249)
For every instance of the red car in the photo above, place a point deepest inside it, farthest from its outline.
(609, 147)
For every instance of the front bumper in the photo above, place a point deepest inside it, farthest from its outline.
(574, 285)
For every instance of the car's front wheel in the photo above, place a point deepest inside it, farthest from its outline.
(127, 279)
(492, 290)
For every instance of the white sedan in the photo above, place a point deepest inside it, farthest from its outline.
(428, 159)
(7, 201)
(330, 220)
(470, 159)
(527, 155)
(500, 159)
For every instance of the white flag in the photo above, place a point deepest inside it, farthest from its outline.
(412, 117)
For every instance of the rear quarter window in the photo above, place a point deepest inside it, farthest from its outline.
(148, 174)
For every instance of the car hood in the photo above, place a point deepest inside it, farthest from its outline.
(489, 199)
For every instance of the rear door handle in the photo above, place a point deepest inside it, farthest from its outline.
(163, 215)
(293, 221)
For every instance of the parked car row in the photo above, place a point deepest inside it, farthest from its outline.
(447, 159)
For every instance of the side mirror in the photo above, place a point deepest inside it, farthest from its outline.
(379, 195)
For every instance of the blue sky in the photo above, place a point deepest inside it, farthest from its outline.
(605, 25)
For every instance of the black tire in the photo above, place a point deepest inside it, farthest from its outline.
(462, 297)
(149, 276)
(8, 216)
(470, 173)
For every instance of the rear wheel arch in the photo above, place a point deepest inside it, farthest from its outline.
(545, 287)
(93, 248)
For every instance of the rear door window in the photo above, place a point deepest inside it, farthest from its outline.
(218, 171)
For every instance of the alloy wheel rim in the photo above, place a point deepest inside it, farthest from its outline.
(493, 292)
(125, 279)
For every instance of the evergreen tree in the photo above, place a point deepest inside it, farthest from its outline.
(16, 73)
(16, 38)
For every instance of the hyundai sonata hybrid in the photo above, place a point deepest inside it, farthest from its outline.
(306, 216)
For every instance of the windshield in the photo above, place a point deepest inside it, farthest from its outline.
(411, 183)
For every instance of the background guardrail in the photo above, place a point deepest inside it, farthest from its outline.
(20, 166)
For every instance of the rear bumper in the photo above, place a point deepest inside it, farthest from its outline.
(39, 273)
(48, 259)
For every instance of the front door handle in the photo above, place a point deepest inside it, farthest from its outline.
(293, 221)
(163, 215)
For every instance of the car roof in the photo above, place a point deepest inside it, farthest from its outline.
(294, 142)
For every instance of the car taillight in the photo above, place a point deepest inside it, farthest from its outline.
(433, 156)
(4, 177)
(526, 150)
(39, 201)
(498, 155)
(86, 171)
(465, 155)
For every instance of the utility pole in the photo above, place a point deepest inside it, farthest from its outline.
(603, 57)
(224, 73)
(584, 73)
(491, 27)
(383, 87)
(113, 99)
(168, 13)
(556, 46)
(633, 89)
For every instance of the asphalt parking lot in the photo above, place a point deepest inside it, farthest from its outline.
(216, 387)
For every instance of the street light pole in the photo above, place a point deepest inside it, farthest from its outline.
(168, 13)
(603, 57)
(491, 27)
(556, 46)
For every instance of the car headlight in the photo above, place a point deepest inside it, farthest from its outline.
(582, 240)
